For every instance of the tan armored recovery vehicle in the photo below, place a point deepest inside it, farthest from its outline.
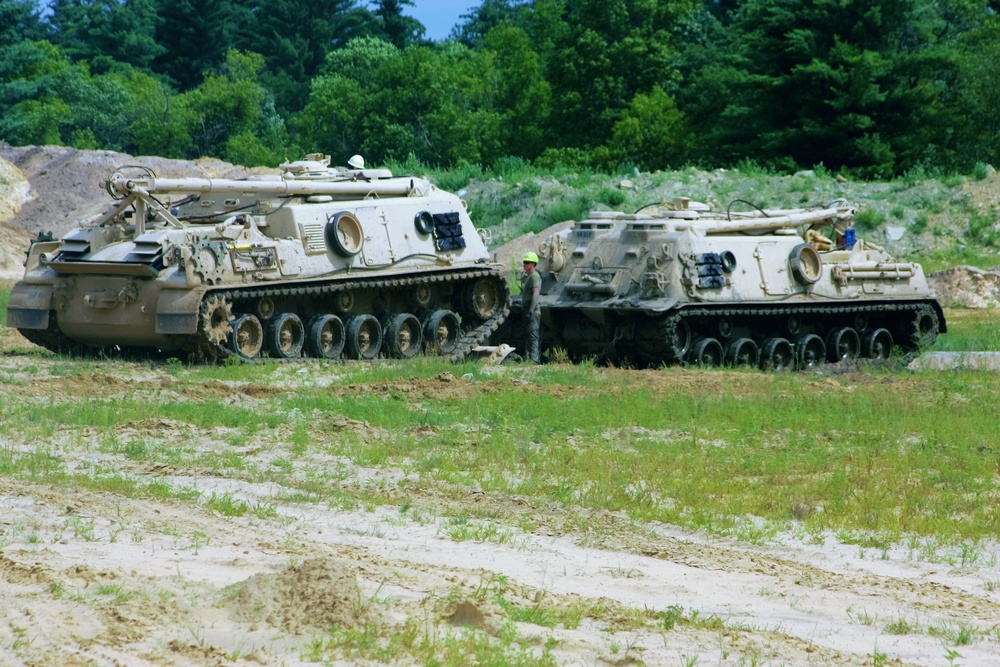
(316, 261)
(682, 283)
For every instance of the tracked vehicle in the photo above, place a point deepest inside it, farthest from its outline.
(314, 261)
(682, 283)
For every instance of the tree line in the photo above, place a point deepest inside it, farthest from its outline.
(874, 88)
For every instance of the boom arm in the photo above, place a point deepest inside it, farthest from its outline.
(119, 185)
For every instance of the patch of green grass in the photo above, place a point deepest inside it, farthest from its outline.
(227, 505)
(869, 219)
(970, 330)
(957, 255)
(902, 626)
(957, 634)
(982, 230)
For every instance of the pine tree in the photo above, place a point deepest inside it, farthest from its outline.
(397, 28)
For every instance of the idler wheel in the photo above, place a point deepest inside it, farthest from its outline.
(876, 344)
(679, 340)
(285, 336)
(325, 337)
(706, 352)
(403, 338)
(441, 331)
(924, 327)
(810, 351)
(481, 298)
(842, 344)
(776, 355)
(247, 337)
(364, 338)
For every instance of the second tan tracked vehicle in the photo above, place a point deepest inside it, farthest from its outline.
(682, 283)
(314, 261)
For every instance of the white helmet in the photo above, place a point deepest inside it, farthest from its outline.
(357, 162)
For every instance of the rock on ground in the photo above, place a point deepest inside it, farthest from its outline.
(966, 287)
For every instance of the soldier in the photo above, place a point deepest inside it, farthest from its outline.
(531, 287)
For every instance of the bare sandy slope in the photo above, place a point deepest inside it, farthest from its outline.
(98, 578)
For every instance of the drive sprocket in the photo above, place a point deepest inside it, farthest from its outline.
(215, 321)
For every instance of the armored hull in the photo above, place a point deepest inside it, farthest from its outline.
(315, 261)
(685, 284)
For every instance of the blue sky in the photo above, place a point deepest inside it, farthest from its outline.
(439, 16)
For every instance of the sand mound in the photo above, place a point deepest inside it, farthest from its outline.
(316, 595)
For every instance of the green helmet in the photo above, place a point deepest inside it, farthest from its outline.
(530, 257)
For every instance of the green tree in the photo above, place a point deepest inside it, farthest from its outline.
(651, 134)
(31, 110)
(480, 20)
(851, 83)
(104, 32)
(516, 89)
(195, 36)
(227, 110)
(389, 103)
(976, 93)
(294, 36)
(608, 51)
(344, 95)
(19, 21)
(397, 28)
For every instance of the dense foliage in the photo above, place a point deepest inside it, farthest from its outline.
(872, 88)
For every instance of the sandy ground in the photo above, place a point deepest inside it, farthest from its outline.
(103, 579)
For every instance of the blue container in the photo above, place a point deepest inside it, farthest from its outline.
(849, 238)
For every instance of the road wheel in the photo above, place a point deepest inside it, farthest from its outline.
(247, 337)
(776, 355)
(285, 336)
(325, 337)
(842, 344)
(706, 352)
(364, 338)
(441, 331)
(742, 352)
(403, 339)
(876, 344)
(810, 351)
